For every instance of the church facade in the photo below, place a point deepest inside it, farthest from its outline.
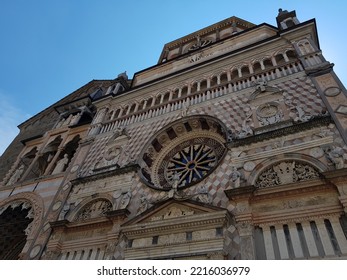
(233, 146)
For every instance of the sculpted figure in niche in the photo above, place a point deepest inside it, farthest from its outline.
(143, 204)
(246, 130)
(235, 178)
(75, 118)
(297, 113)
(16, 175)
(60, 123)
(203, 195)
(64, 211)
(67, 120)
(125, 200)
(61, 164)
(336, 156)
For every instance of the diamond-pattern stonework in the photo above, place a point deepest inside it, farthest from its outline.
(232, 146)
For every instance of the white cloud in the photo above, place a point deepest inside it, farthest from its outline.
(10, 118)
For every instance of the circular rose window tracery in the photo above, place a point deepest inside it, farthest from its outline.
(192, 149)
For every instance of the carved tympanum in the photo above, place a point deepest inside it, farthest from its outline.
(94, 209)
(285, 173)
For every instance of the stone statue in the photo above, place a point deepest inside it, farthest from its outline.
(125, 200)
(64, 211)
(246, 130)
(143, 204)
(16, 175)
(75, 118)
(336, 156)
(61, 164)
(235, 178)
(203, 195)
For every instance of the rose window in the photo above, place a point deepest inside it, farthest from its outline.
(183, 154)
(191, 164)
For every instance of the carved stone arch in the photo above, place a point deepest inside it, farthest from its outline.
(37, 212)
(126, 106)
(293, 160)
(278, 52)
(162, 92)
(279, 56)
(234, 72)
(291, 54)
(84, 211)
(255, 67)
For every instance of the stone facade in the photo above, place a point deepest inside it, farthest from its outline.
(232, 147)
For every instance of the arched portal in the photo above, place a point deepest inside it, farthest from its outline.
(14, 224)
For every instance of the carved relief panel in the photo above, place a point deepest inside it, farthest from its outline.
(267, 106)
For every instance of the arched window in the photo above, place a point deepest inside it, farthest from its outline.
(224, 78)
(47, 155)
(214, 81)
(267, 63)
(279, 59)
(66, 155)
(291, 55)
(203, 85)
(257, 67)
(245, 70)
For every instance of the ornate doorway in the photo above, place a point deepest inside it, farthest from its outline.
(14, 221)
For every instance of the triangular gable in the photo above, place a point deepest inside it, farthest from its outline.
(173, 210)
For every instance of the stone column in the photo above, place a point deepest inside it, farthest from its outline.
(128, 111)
(273, 60)
(340, 236)
(170, 95)
(247, 245)
(239, 72)
(295, 240)
(269, 249)
(229, 76)
(144, 104)
(324, 236)
(198, 86)
(282, 244)
(189, 89)
(311, 244)
(179, 93)
(285, 57)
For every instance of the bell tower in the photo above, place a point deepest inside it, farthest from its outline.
(286, 19)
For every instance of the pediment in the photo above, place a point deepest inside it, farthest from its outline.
(173, 210)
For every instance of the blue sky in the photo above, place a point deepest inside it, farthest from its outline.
(50, 48)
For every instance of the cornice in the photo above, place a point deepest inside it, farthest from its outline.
(296, 215)
(295, 128)
(276, 192)
(198, 221)
(115, 172)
